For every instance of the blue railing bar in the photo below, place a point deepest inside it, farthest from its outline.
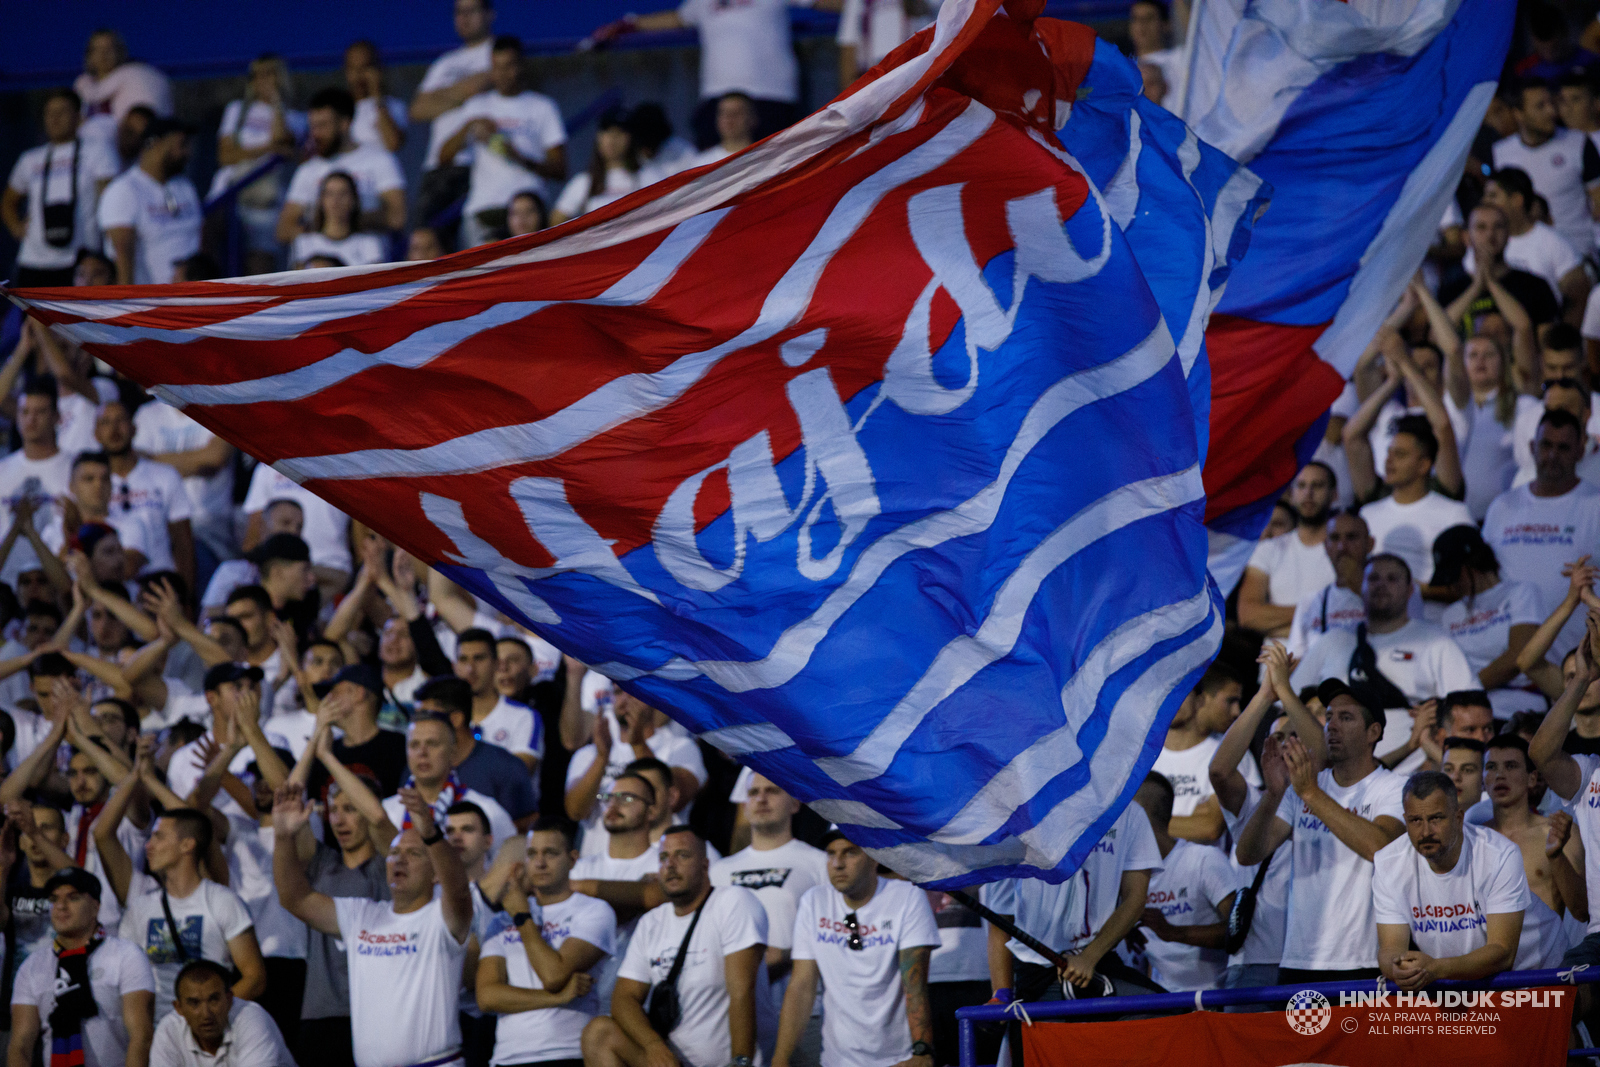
(268, 164)
(1575, 1053)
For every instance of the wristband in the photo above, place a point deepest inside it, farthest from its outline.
(521, 917)
(438, 835)
(1003, 995)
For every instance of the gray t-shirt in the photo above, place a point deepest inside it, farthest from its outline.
(327, 968)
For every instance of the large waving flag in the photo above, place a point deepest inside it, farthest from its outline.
(872, 454)
(1359, 114)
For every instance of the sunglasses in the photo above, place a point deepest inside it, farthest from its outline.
(853, 924)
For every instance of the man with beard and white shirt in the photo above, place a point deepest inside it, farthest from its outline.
(1336, 820)
(715, 985)
(1337, 605)
(536, 974)
(1191, 897)
(405, 954)
(1196, 730)
(1405, 661)
(1564, 165)
(1537, 529)
(1454, 890)
(380, 185)
(1286, 569)
(868, 939)
(151, 213)
(39, 472)
(779, 869)
(623, 872)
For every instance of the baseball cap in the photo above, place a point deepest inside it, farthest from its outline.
(1457, 547)
(77, 878)
(362, 674)
(1333, 687)
(224, 673)
(280, 546)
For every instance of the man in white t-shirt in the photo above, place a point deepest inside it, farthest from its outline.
(1335, 821)
(151, 213)
(452, 80)
(1337, 605)
(1411, 661)
(715, 984)
(1539, 528)
(209, 1026)
(496, 720)
(101, 983)
(536, 973)
(1286, 569)
(633, 730)
(141, 485)
(141, 536)
(1533, 246)
(1185, 759)
(516, 140)
(1564, 165)
(1406, 521)
(111, 86)
(67, 173)
(405, 954)
(1191, 897)
(212, 922)
(326, 529)
(380, 120)
(779, 869)
(1457, 891)
(379, 182)
(624, 871)
(38, 473)
(870, 29)
(204, 461)
(430, 755)
(868, 938)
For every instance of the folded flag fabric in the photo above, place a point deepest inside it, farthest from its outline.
(871, 454)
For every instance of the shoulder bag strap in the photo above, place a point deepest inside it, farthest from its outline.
(683, 948)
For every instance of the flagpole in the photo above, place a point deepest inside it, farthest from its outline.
(1009, 927)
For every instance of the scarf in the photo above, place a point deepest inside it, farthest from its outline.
(85, 828)
(449, 793)
(74, 1002)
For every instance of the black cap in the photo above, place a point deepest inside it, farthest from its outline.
(1333, 687)
(280, 546)
(77, 878)
(1457, 547)
(224, 673)
(362, 674)
(834, 834)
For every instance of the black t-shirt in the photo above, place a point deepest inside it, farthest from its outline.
(1530, 290)
(1580, 746)
(384, 757)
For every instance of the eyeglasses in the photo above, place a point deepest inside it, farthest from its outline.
(851, 923)
(620, 798)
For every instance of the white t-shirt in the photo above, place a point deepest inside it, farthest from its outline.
(1534, 537)
(96, 163)
(53, 476)
(132, 840)
(1525, 427)
(249, 849)
(1449, 913)
(107, 100)
(453, 66)
(1264, 943)
(515, 727)
(1189, 771)
(878, 27)
(327, 529)
(1409, 530)
(672, 747)
(207, 920)
(251, 1040)
(115, 969)
(779, 877)
(1330, 608)
(532, 125)
(156, 489)
(405, 974)
(1064, 916)
(864, 1004)
(160, 429)
(75, 430)
(1563, 169)
(745, 47)
(252, 129)
(356, 250)
(364, 127)
(374, 169)
(605, 868)
(1488, 452)
(733, 920)
(1483, 632)
(1293, 568)
(1542, 252)
(500, 823)
(1585, 807)
(165, 218)
(1329, 876)
(1189, 890)
(145, 533)
(579, 195)
(963, 952)
(550, 1033)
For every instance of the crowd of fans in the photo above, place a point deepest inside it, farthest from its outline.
(277, 792)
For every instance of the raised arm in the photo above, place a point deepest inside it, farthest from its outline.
(1357, 448)
(32, 770)
(290, 814)
(170, 610)
(1524, 338)
(453, 603)
(582, 795)
(381, 830)
(1447, 468)
(1364, 837)
(1581, 577)
(1560, 770)
(576, 725)
(1229, 785)
(1263, 832)
(114, 860)
(455, 894)
(1444, 335)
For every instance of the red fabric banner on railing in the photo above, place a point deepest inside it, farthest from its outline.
(1489, 1028)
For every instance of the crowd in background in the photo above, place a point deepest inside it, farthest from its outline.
(276, 791)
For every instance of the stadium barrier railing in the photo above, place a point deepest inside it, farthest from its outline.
(967, 1019)
(225, 200)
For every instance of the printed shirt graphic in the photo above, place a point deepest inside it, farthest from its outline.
(1585, 806)
(778, 877)
(1327, 874)
(1189, 891)
(1448, 913)
(207, 920)
(116, 968)
(405, 971)
(550, 1033)
(864, 1004)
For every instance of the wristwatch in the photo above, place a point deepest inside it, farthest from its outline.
(921, 1048)
(740, 1061)
(521, 917)
(438, 835)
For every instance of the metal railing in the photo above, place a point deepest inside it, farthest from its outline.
(1211, 999)
(233, 254)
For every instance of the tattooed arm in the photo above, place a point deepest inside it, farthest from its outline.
(914, 980)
